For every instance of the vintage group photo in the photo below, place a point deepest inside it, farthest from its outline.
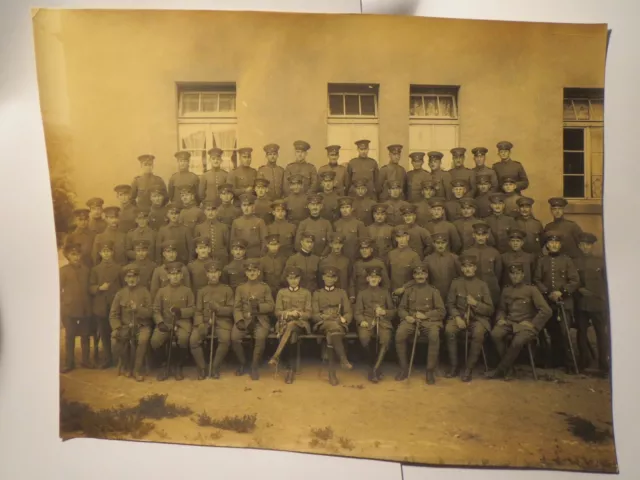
(355, 235)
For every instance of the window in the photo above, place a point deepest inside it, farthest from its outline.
(352, 115)
(583, 143)
(207, 119)
(433, 120)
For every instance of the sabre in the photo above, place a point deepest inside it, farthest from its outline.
(173, 327)
(413, 349)
(566, 326)
(132, 343)
(467, 318)
(213, 330)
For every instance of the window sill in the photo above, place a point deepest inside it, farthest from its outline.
(584, 207)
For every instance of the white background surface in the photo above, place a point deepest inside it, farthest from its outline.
(29, 444)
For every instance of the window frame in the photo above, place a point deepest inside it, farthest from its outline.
(585, 126)
(350, 117)
(200, 114)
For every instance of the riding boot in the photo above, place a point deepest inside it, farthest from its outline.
(333, 379)
(339, 350)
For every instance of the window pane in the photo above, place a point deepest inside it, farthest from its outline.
(431, 106)
(209, 102)
(336, 105)
(227, 102)
(367, 104)
(190, 102)
(416, 107)
(597, 110)
(573, 162)
(446, 107)
(352, 105)
(574, 186)
(568, 113)
(573, 139)
(582, 109)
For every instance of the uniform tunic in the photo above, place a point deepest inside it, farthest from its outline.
(591, 270)
(388, 173)
(140, 233)
(179, 180)
(127, 217)
(333, 302)
(362, 209)
(308, 263)
(160, 279)
(97, 225)
(119, 251)
(523, 303)
(423, 212)
(105, 272)
(227, 213)
(570, 231)
(85, 238)
(512, 169)
(74, 292)
(414, 184)
(441, 180)
(218, 235)
(500, 226)
(557, 272)
(233, 273)
(262, 209)
(358, 277)
(190, 216)
(446, 227)
(167, 297)
(467, 174)
(157, 217)
(465, 230)
(457, 300)
(364, 311)
(147, 267)
(121, 313)
(526, 259)
(242, 302)
(353, 230)
(483, 205)
(342, 264)
(287, 232)
(183, 238)
(198, 274)
(382, 234)
(219, 299)
(511, 204)
(419, 240)
(453, 209)
(362, 169)
(340, 181)
(241, 178)
(253, 230)
(297, 207)
(141, 189)
(308, 172)
(401, 264)
(275, 174)
(330, 209)
(443, 268)
(272, 267)
(210, 183)
(320, 228)
(533, 228)
(394, 213)
(484, 170)
(489, 267)
(298, 299)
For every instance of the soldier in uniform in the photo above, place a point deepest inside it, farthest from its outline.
(460, 172)
(416, 177)
(212, 179)
(297, 200)
(483, 191)
(252, 306)
(464, 224)
(337, 259)
(130, 315)
(395, 203)
(190, 214)
(316, 225)
(331, 316)
(182, 177)
(272, 264)
(511, 197)
(439, 225)
(480, 158)
(227, 210)
(557, 279)
(262, 205)
(530, 225)
(214, 303)
(97, 224)
(489, 260)
(374, 311)
(441, 179)
(470, 308)
(216, 231)
(82, 235)
(272, 172)
(75, 307)
(516, 254)
(522, 314)
(362, 203)
(363, 167)
(350, 227)
(442, 265)
(173, 307)
(391, 171)
(111, 233)
(141, 232)
(234, 271)
(197, 271)
(423, 209)
(104, 283)
(285, 230)
(127, 208)
(421, 307)
(177, 232)
(380, 231)
(419, 237)
(293, 312)
(507, 167)
(143, 263)
(300, 167)
(452, 207)
(569, 229)
(142, 184)
(249, 227)
(158, 209)
(329, 195)
(340, 171)
(592, 302)
(365, 260)
(500, 223)
(242, 179)
(402, 261)
(160, 277)
(307, 261)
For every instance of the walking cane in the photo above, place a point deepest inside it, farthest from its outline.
(173, 327)
(132, 344)
(413, 349)
(566, 326)
(213, 331)
(467, 319)
(376, 319)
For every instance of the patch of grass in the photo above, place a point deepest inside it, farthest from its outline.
(156, 407)
(237, 423)
(217, 435)
(346, 443)
(357, 387)
(585, 429)
(322, 434)
(314, 442)
(548, 377)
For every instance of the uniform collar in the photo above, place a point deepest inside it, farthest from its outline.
(294, 289)
(330, 289)
(304, 253)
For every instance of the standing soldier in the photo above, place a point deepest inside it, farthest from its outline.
(366, 259)
(249, 227)
(329, 195)
(82, 235)
(439, 225)
(75, 307)
(442, 265)
(306, 171)
(130, 320)
(569, 229)
(592, 302)
(113, 234)
(480, 158)
(507, 167)
(142, 184)
(296, 200)
(158, 210)
(470, 308)
(391, 171)
(483, 191)
(340, 171)
(402, 260)
(177, 232)
(460, 172)
(489, 260)
(212, 179)
(350, 227)
(252, 306)
(416, 177)
(380, 231)
(522, 314)
(96, 222)
(452, 207)
(362, 203)
(423, 211)
(227, 210)
(160, 277)
(216, 231)
(272, 172)
(190, 214)
(242, 179)
(272, 264)
(337, 259)
(307, 261)
(173, 307)
(285, 230)
(511, 197)
(262, 206)
(395, 204)
(197, 271)
(464, 224)
(515, 254)
(127, 208)
(374, 311)
(530, 225)
(314, 224)
(182, 177)
(421, 307)
(500, 223)
(234, 271)
(142, 232)
(362, 167)
(419, 237)
(331, 315)
(441, 179)
(143, 263)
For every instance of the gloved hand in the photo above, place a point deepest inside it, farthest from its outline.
(163, 327)
(460, 323)
(420, 316)
(364, 324)
(410, 319)
(528, 324)
(176, 311)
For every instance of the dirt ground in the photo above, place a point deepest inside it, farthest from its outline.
(521, 423)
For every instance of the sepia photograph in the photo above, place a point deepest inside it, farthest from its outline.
(366, 236)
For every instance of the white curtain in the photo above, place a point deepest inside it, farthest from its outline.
(226, 140)
(196, 144)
